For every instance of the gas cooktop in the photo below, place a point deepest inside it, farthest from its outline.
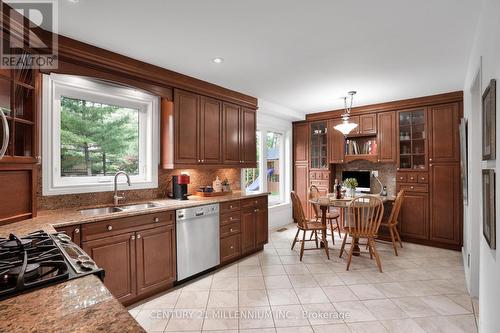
(38, 260)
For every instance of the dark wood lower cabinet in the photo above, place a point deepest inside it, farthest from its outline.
(229, 248)
(116, 255)
(248, 226)
(73, 231)
(262, 227)
(414, 216)
(155, 253)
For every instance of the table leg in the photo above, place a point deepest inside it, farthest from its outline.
(323, 224)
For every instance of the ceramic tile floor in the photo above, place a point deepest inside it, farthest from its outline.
(421, 290)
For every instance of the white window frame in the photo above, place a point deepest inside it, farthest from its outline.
(57, 85)
(263, 162)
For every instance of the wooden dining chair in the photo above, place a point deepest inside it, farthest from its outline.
(330, 216)
(364, 215)
(306, 225)
(392, 222)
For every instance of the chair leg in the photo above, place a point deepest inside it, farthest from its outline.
(375, 253)
(397, 236)
(302, 245)
(312, 234)
(338, 226)
(316, 239)
(325, 243)
(343, 245)
(331, 230)
(370, 250)
(351, 250)
(295, 239)
(393, 241)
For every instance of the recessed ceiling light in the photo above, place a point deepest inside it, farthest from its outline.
(218, 60)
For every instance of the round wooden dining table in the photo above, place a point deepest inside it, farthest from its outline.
(325, 202)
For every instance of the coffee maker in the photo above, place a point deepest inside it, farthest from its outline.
(179, 187)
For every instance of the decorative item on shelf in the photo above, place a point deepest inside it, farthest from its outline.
(489, 121)
(226, 187)
(351, 184)
(217, 185)
(346, 127)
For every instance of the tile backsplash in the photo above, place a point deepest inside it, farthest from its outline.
(198, 178)
(386, 174)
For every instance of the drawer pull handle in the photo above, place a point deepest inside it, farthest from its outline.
(77, 231)
(411, 187)
(110, 228)
(230, 218)
(133, 237)
(138, 236)
(231, 247)
(231, 230)
(231, 207)
(156, 220)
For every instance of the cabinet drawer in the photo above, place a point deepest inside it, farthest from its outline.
(412, 178)
(126, 224)
(229, 218)
(414, 187)
(230, 206)
(254, 202)
(229, 248)
(230, 229)
(401, 177)
(423, 178)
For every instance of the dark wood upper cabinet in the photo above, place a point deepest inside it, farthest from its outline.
(155, 251)
(301, 183)
(116, 255)
(187, 120)
(248, 147)
(318, 146)
(301, 143)
(231, 134)
(444, 144)
(336, 142)
(386, 137)
(210, 131)
(445, 202)
(368, 124)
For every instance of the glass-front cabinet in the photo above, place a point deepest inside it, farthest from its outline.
(412, 140)
(319, 145)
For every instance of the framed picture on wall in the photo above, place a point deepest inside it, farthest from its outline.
(489, 224)
(489, 120)
(463, 160)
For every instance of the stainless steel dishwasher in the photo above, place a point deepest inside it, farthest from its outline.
(197, 240)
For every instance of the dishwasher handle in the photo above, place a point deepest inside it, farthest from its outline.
(199, 214)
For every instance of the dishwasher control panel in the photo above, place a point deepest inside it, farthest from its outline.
(194, 212)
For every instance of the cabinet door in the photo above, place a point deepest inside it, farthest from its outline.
(231, 134)
(301, 183)
(155, 251)
(210, 131)
(446, 205)
(301, 143)
(186, 119)
(337, 142)
(368, 124)
(72, 231)
(248, 239)
(414, 216)
(386, 137)
(261, 226)
(356, 120)
(116, 255)
(229, 248)
(444, 133)
(248, 138)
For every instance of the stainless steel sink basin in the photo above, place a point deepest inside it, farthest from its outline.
(100, 211)
(139, 206)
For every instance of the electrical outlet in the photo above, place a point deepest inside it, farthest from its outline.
(375, 173)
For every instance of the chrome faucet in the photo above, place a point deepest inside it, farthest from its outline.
(116, 198)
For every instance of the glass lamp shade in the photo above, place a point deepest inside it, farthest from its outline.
(346, 127)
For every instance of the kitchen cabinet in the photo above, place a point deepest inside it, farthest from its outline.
(72, 231)
(137, 253)
(412, 135)
(368, 124)
(210, 131)
(18, 192)
(414, 216)
(336, 142)
(231, 134)
(248, 228)
(386, 137)
(248, 147)
(444, 140)
(230, 231)
(301, 183)
(116, 255)
(155, 253)
(318, 147)
(445, 204)
(301, 143)
(186, 119)
(254, 224)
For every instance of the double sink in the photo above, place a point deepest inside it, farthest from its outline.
(127, 208)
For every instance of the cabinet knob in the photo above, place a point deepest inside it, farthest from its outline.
(430, 159)
(230, 206)
(230, 218)
(256, 210)
(138, 236)
(38, 158)
(256, 201)
(230, 229)
(411, 187)
(110, 228)
(77, 230)
(202, 161)
(132, 237)
(397, 168)
(430, 164)
(231, 247)
(156, 220)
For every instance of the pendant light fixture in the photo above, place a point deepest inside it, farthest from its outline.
(346, 126)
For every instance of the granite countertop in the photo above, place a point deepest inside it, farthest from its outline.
(84, 304)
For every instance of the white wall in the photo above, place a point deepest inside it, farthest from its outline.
(274, 117)
(484, 57)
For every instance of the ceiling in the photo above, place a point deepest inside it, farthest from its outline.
(302, 55)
